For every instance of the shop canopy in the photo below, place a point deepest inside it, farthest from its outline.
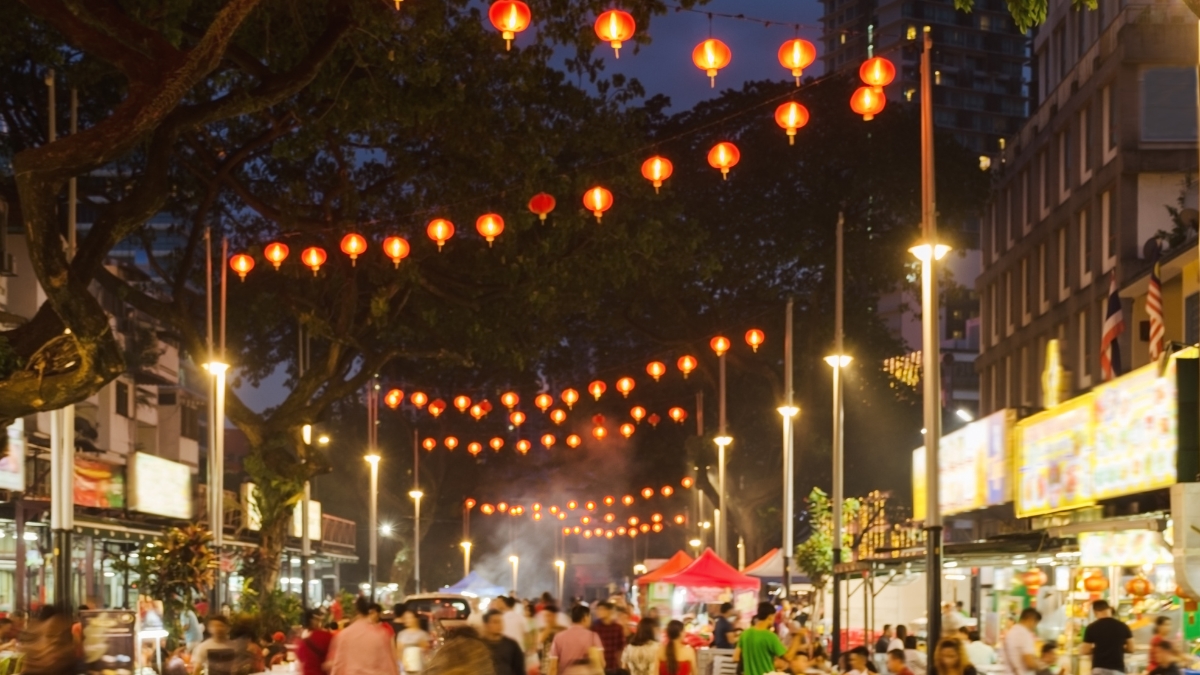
(709, 571)
(675, 563)
(475, 585)
(770, 568)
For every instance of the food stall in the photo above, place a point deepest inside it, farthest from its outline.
(652, 593)
(711, 581)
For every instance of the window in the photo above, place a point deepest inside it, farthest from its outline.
(1014, 213)
(1008, 303)
(1026, 223)
(1064, 289)
(995, 314)
(1085, 350)
(1085, 158)
(1060, 51)
(910, 33)
(1085, 249)
(1002, 213)
(1108, 123)
(121, 395)
(1064, 166)
(1108, 233)
(1191, 319)
(189, 422)
(1007, 381)
(1026, 377)
(1043, 286)
(1047, 183)
(1168, 104)
(1027, 282)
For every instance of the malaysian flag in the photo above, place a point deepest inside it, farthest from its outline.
(1154, 309)
(1114, 324)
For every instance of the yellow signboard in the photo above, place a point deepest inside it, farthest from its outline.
(973, 467)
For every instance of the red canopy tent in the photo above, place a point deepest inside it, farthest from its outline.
(675, 563)
(709, 571)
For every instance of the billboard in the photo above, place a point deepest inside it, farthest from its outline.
(973, 467)
(1125, 548)
(99, 484)
(12, 463)
(160, 486)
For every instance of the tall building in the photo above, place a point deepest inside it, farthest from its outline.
(980, 60)
(1084, 191)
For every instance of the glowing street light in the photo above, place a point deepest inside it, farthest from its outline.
(466, 547)
(515, 563)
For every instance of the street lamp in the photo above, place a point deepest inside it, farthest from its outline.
(515, 562)
(837, 362)
(416, 495)
(695, 543)
(216, 464)
(466, 547)
(964, 415)
(561, 565)
(722, 442)
(372, 518)
(788, 412)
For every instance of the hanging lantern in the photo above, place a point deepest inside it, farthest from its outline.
(719, 344)
(711, 56)
(657, 527)
(586, 520)
(570, 396)
(543, 401)
(667, 491)
(627, 500)
(597, 388)
(542, 204)
(1033, 580)
(598, 200)
(590, 506)
(587, 534)
(610, 517)
(436, 407)
(877, 72)
(679, 520)
(1139, 587)
(615, 27)
(393, 398)
(599, 433)
(1095, 582)
(644, 527)
(242, 264)
(724, 156)
(654, 419)
(791, 116)
(509, 399)
(558, 416)
(537, 516)
(647, 493)
(396, 248)
(867, 102)
(353, 245)
(553, 509)
(276, 252)
(487, 509)
(523, 446)
(572, 505)
(477, 412)
(621, 530)
(633, 520)
(656, 170)
(686, 365)
(626, 430)
(796, 55)
(608, 534)
(574, 441)
(625, 385)
(489, 226)
(678, 414)
(509, 17)
(609, 501)
(470, 503)
(687, 482)
(638, 413)
(754, 338)
(429, 444)
(655, 369)
(562, 515)
(517, 418)
(313, 257)
(485, 406)
(474, 448)
(496, 444)
(419, 399)
(633, 533)
(440, 230)
(462, 403)
(502, 507)
(656, 518)
(450, 442)
(537, 507)
(548, 440)
(598, 420)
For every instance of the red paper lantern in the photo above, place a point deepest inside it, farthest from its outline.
(609, 501)
(791, 116)
(353, 245)
(558, 416)
(678, 414)
(686, 365)
(570, 396)
(1139, 587)
(654, 419)
(429, 444)
(517, 418)
(1033, 580)
(711, 56)
(470, 503)
(523, 446)
(542, 204)
(626, 430)
(474, 448)
(313, 257)
(796, 55)
(724, 156)
(599, 433)
(462, 403)
(450, 442)
(656, 518)
(1095, 582)
(242, 264)
(625, 385)
(487, 509)
(647, 492)
(615, 27)
(687, 482)
(633, 520)
(877, 72)
(719, 344)
(598, 200)
(638, 413)
(496, 443)
(509, 17)
(656, 170)
(276, 252)
(574, 441)
(597, 388)
(679, 520)
(755, 338)
(867, 102)
(477, 412)
(489, 226)
(508, 399)
(419, 399)
(396, 248)
(548, 440)
(543, 401)
(436, 407)
(655, 369)
(667, 491)
(440, 230)
(590, 506)
(393, 398)
(627, 500)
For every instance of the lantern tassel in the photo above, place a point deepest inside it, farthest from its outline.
(397, 263)
(791, 141)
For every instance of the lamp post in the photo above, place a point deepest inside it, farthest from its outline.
(788, 412)
(466, 547)
(837, 361)
(561, 566)
(515, 562)
(372, 524)
(720, 345)
(416, 495)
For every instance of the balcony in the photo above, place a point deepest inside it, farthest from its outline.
(338, 533)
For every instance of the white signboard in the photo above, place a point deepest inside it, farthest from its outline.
(160, 486)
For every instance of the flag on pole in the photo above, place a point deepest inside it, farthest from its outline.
(1154, 309)
(1114, 324)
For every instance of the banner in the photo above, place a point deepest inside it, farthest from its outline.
(12, 462)
(973, 465)
(98, 484)
(160, 486)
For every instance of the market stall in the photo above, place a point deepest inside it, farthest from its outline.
(707, 581)
(651, 594)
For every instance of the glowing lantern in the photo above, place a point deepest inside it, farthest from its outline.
(440, 230)
(489, 227)
(655, 369)
(485, 406)
(590, 506)
(638, 413)
(877, 72)
(396, 248)
(393, 398)
(608, 534)
(686, 364)
(687, 482)
(509, 399)
(609, 501)
(523, 446)
(313, 257)
(502, 507)
(543, 401)
(574, 441)
(597, 388)
(570, 396)
(470, 503)
(517, 418)
(462, 403)
(627, 430)
(1139, 587)
(610, 517)
(576, 529)
(276, 252)
(598, 420)
(487, 509)
(755, 338)
(566, 530)
(720, 345)
(419, 399)
(615, 27)
(599, 433)
(667, 491)
(562, 515)
(496, 444)
(572, 505)
(867, 102)
(587, 534)
(474, 448)
(429, 444)
(585, 520)
(724, 156)
(625, 385)
(678, 414)
(657, 527)
(711, 56)
(548, 440)
(537, 516)
(1095, 583)
(1033, 580)
(509, 17)
(242, 264)
(627, 500)
(353, 245)
(633, 520)
(450, 442)
(647, 493)
(558, 416)
(598, 200)
(656, 518)
(654, 419)
(679, 520)
(537, 506)
(621, 530)
(656, 170)
(796, 55)
(644, 527)
(542, 204)
(791, 116)
(553, 509)
(633, 533)
(436, 407)
(477, 412)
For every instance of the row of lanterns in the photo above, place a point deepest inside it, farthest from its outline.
(588, 505)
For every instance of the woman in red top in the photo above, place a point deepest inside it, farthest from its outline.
(1162, 631)
(676, 657)
(313, 646)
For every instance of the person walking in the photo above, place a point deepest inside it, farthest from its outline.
(897, 641)
(1107, 640)
(612, 636)
(759, 649)
(508, 658)
(641, 654)
(1162, 631)
(218, 631)
(313, 646)
(950, 658)
(1018, 653)
(979, 652)
(914, 658)
(676, 658)
(724, 634)
(412, 642)
(362, 648)
(577, 642)
(545, 639)
(896, 664)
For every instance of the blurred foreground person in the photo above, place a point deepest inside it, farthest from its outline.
(463, 653)
(47, 644)
(362, 648)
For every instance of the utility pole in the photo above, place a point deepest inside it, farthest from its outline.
(837, 362)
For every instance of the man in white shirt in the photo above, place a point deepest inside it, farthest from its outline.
(1018, 654)
(515, 627)
(979, 653)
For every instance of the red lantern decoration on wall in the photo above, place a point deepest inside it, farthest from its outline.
(542, 204)
(354, 245)
(1095, 582)
(509, 17)
(638, 413)
(724, 156)
(396, 248)
(615, 27)
(755, 338)
(1139, 587)
(489, 226)
(313, 257)
(656, 369)
(1033, 580)
(719, 345)
(598, 200)
(543, 401)
(791, 116)
(242, 264)
(436, 407)
(597, 388)
(678, 414)
(419, 399)
(796, 55)
(570, 397)
(508, 399)
(711, 56)
(867, 102)
(462, 403)
(574, 441)
(393, 398)
(656, 170)
(877, 72)
(276, 252)
(440, 230)
(686, 365)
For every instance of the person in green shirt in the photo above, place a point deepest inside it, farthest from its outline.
(759, 649)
